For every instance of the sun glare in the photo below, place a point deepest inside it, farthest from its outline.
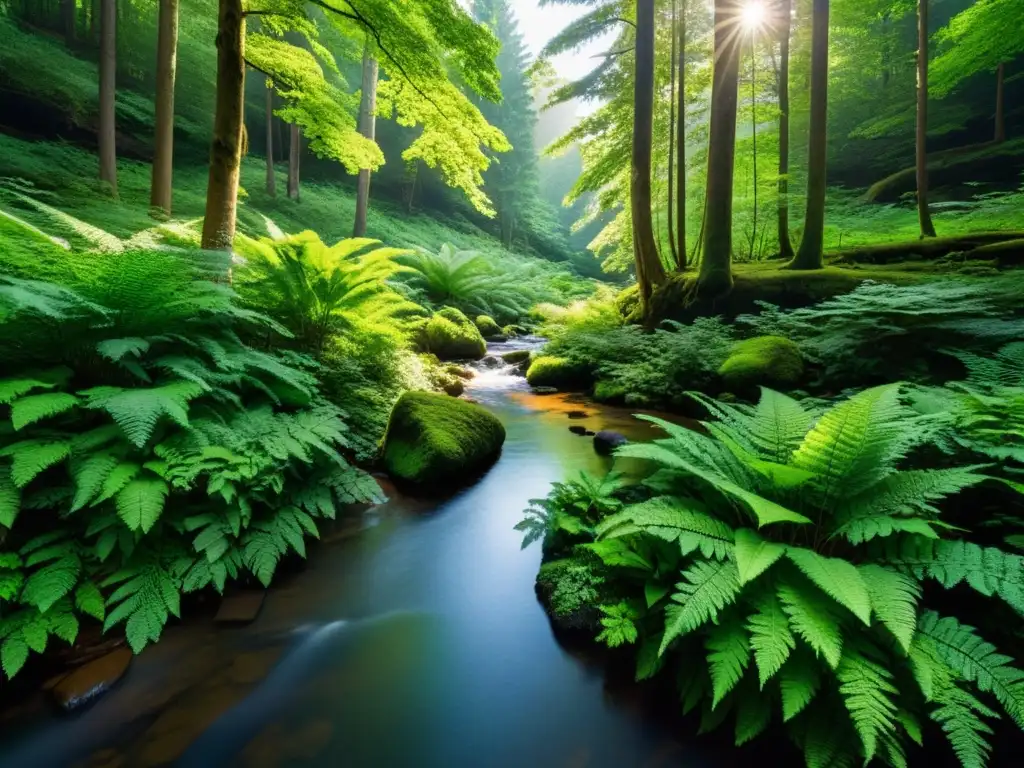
(753, 17)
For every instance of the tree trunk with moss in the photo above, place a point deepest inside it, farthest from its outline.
(785, 32)
(716, 266)
(367, 128)
(226, 150)
(812, 246)
(108, 75)
(924, 216)
(294, 153)
(166, 65)
(649, 271)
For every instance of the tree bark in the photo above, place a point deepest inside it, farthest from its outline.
(681, 145)
(226, 148)
(294, 150)
(716, 266)
(811, 253)
(649, 271)
(411, 176)
(923, 214)
(1000, 136)
(108, 116)
(67, 18)
(672, 140)
(367, 128)
(785, 31)
(271, 179)
(166, 66)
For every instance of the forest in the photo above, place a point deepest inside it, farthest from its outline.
(305, 307)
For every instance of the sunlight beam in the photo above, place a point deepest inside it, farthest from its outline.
(753, 15)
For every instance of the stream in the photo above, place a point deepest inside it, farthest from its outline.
(414, 639)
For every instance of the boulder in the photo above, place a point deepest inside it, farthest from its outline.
(91, 680)
(516, 356)
(771, 361)
(452, 336)
(491, 362)
(551, 371)
(578, 429)
(607, 441)
(439, 441)
(578, 414)
(487, 327)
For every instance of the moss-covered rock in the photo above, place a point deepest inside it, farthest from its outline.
(551, 371)
(514, 330)
(771, 361)
(610, 392)
(487, 326)
(452, 336)
(516, 356)
(440, 441)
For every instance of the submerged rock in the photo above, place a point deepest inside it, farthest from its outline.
(577, 429)
(437, 440)
(240, 607)
(452, 336)
(578, 414)
(607, 441)
(91, 680)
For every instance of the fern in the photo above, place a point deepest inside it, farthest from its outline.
(619, 625)
(30, 458)
(137, 411)
(770, 636)
(146, 595)
(728, 656)
(672, 519)
(33, 408)
(799, 681)
(838, 578)
(868, 691)
(707, 589)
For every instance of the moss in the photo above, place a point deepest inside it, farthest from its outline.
(514, 330)
(487, 326)
(438, 440)
(30, 253)
(550, 371)
(451, 335)
(610, 392)
(768, 360)
(516, 356)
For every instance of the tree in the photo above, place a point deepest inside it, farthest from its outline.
(649, 271)
(271, 179)
(108, 73)
(368, 129)
(716, 266)
(67, 18)
(785, 26)
(166, 65)
(294, 156)
(923, 214)
(811, 253)
(681, 142)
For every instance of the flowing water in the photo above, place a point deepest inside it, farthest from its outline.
(415, 641)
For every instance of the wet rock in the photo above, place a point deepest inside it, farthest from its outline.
(491, 362)
(576, 429)
(86, 683)
(545, 390)
(589, 433)
(577, 414)
(240, 607)
(516, 356)
(607, 441)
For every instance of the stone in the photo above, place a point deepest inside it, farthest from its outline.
(487, 327)
(83, 685)
(771, 361)
(452, 336)
(491, 362)
(607, 441)
(576, 429)
(240, 607)
(578, 414)
(516, 356)
(545, 390)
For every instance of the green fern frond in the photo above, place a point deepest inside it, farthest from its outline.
(799, 681)
(89, 475)
(30, 458)
(672, 519)
(838, 578)
(728, 656)
(770, 636)
(894, 599)
(116, 480)
(753, 714)
(51, 583)
(141, 502)
(754, 555)
(814, 618)
(147, 596)
(959, 715)
(707, 589)
(116, 349)
(12, 389)
(137, 411)
(772, 429)
(618, 625)
(10, 498)
(33, 408)
(868, 691)
(89, 600)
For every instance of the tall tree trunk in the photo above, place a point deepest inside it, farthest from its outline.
(716, 266)
(811, 253)
(785, 31)
(94, 18)
(753, 130)
(672, 139)
(367, 128)
(226, 149)
(649, 271)
(67, 19)
(1000, 116)
(166, 65)
(923, 214)
(271, 180)
(681, 144)
(108, 74)
(294, 152)
(410, 177)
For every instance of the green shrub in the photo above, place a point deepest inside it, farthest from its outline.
(487, 326)
(147, 449)
(559, 372)
(440, 440)
(764, 360)
(779, 564)
(452, 336)
(610, 392)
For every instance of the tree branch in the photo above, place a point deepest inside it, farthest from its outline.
(613, 54)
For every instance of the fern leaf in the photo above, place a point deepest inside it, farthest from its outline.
(137, 411)
(51, 583)
(31, 458)
(141, 502)
(33, 408)
(89, 476)
(89, 600)
(147, 597)
(261, 552)
(972, 658)
(753, 714)
(754, 555)
(12, 389)
(770, 636)
(618, 553)
(813, 617)
(894, 601)
(672, 519)
(708, 588)
(115, 349)
(838, 578)
(728, 657)
(10, 498)
(868, 692)
(799, 680)
(959, 716)
(13, 654)
(116, 480)
(773, 429)
(619, 625)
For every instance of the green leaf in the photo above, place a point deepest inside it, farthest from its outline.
(707, 589)
(141, 502)
(147, 596)
(29, 410)
(618, 553)
(754, 555)
(753, 713)
(89, 600)
(728, 657)
(10, 498)
(32, 457)
(838, 578)
(813, 617)
(868, 691)
(672, 519)
(115, 349)
(770, 636)
(12, 389)
(137, 411)
(89, 476)
(116, 480)
(799, 680)
(13, 654)
(51, 583)
(894, 601)
(619, 622)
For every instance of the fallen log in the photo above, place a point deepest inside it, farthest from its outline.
(927, 248)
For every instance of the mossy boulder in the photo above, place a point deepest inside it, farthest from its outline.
(487, 326)
(516, 356)
(439, 441)
(552, 371)
(452, 336)
(610, 392)
(771, 361)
